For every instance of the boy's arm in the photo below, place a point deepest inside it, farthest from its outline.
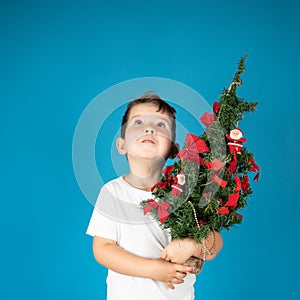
(110, 255)
(179, 251)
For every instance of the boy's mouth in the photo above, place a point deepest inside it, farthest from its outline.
(148, 140)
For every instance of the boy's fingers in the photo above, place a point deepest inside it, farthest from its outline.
(184, 269)
(170, 285)
(177, 281)
(180, 275)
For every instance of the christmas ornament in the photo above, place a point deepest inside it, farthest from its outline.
(236, 140)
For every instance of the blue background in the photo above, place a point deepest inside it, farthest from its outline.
(56, 56)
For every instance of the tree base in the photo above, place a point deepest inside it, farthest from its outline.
(196, 263)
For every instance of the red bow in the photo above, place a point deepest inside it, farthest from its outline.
(216, 107)
(193, 146)
(167, 171)
(207, 119)
(162, 209)
(162, 185)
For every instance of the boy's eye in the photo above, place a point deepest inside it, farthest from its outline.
(138, 122)
(161, 124)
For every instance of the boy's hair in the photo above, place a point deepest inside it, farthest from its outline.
(162, 106)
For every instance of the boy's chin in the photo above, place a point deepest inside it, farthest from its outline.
(154, 160)
(157, 161)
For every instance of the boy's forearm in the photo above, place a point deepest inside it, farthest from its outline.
(121, 261)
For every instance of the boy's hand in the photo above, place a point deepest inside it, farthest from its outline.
(170, 273)
(179, 251)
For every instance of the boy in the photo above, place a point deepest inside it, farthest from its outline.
(128, 243)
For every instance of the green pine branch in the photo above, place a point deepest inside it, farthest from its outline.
(233, 108)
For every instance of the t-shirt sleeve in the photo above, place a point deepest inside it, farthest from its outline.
(101, 223)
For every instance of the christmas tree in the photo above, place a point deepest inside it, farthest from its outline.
(209, 183)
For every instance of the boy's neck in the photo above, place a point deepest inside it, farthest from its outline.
(142, 176)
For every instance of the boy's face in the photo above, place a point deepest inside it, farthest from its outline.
(148, 133)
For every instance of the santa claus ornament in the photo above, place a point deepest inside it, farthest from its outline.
(236, 140)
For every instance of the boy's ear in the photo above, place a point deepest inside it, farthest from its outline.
(174, 150)
(120, 143)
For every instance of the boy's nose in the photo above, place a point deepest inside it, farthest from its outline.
(149, 130)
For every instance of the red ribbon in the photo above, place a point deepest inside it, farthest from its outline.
(215, 178)
(238, 183)
(162, 209)
(245, 184)
(223, 210)
(255, 168)
(215, 165)
(239, 215)
(232, 200)
(232, 166)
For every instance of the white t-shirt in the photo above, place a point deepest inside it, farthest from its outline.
(118, 216)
